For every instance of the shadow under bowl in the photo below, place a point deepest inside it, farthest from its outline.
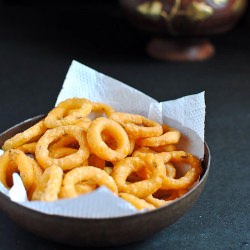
(98, 232)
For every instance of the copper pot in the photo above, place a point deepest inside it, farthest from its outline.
(180, 18)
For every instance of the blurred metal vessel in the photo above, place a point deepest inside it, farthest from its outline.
(185, 18)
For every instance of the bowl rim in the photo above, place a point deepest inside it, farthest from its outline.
(149, 212)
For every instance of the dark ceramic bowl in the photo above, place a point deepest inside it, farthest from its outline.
(98, 232)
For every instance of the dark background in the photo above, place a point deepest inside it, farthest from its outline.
(38, 41)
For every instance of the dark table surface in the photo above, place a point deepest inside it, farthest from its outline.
(37, 45)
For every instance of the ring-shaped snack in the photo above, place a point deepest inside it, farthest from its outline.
(189, 177)
(102, 108)
(61, 152)
(170, 136)
(84, 124)
(69, 161)
(136, 202)
(28, 148)
(124, 168)
(84, 188)
(21, 138)
(65, 141)
(68, 112)
(87, 173)
(162, 201)
(16, 161)
(99, 147)
(169, 168)
(49, 185)
(136, 125)
(157, 202)
(165, 148)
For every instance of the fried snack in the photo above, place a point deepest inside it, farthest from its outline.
(28, 148)
(142, 188)
(73, 153)
(165, 199)
(21, 138)
(84, 124)
(65, 141)
(61, 152)
(49, 185)
(16, 161)
(165, 148)
(170, 136)
(88, 173)
(136, 125)
(156, 202)
(136, 202)
(190, 176)
(60, 115)
(85, 187)
(132, 145)
(102, 108)
(67, 162)
(99, 147)
(143, 151)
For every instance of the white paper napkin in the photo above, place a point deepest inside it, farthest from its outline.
(187, 114)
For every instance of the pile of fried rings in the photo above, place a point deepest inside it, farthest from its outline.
(67, 154)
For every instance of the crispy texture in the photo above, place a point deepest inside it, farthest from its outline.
(170, 136)
(99, 147)
(90, 173)
(68, 112)
(16, 161)
(141, 188)
(136, 202)
(137, 126)
(69, 161)
(82, 144)
(49, 185)
(21, 138)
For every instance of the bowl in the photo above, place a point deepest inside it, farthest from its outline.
(99, 232)
(181, 25)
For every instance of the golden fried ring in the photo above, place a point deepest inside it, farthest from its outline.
(170, 136)
(21, 138)
(84, 188)
(102, 108)
(88, 173)
(28, 148)
(84, 124)
(49, 186)
(99, 147)
(61, 152)
(157, 202)
(60, 116)
(143, 150)
(37, 177)
(136, 202)
(67, 162)
(65, 141)
(124, 168)
(190, 176)
(132, 145)
(165, 148)
(16, 161)
(169, 168)
(136, 125)
(162, 201)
